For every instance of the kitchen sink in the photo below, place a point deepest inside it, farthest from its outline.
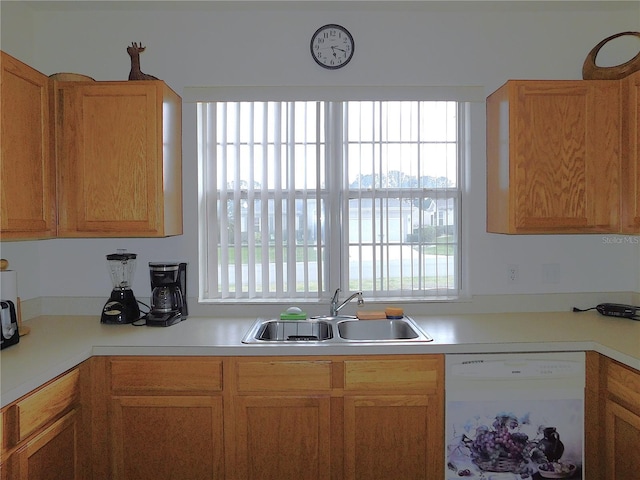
(396, 329)
(339, 329)
(294, 331)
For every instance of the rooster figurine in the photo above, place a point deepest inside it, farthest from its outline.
(135, 74)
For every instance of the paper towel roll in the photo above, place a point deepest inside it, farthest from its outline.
(9, 286)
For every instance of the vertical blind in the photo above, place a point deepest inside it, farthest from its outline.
(298, 198)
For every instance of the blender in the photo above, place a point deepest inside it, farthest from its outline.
(122, 306)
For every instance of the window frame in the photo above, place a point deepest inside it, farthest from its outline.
(470, 98)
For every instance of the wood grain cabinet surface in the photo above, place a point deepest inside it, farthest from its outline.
(88, 159)
(622, 422)
(631, 154)
(338, 417)
(162, 416)
(393, 417)
(242, 418)
(46, 434)
(281, 421)
(554, 157)
(27, 169)
(374, 417)
(119, 156)
(612, 421)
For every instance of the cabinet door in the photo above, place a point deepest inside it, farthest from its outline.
(165, 437)
(393, 417)
(553, 157)
(26, 153)
(119, 162)
(390, 436)
(51, 454)
(282, 437)
(631, 156)
(280, 425)
(622, 438)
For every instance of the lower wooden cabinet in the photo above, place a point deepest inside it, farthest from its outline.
(241, 418)
(164, 418)
(622, 439)
(393, 417)
(387, 436)
(622, 422)
(262, 418)
(279, 437)
(282, 418)
(45, 434)
(156, 437)
(365, 417)
(612, 422)
(52, 454)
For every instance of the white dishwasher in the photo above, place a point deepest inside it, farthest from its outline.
(515, 416)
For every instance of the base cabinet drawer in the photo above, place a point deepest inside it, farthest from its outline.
(41, 407)
(165, 375)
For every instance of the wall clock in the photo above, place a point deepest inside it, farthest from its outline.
(332, 46)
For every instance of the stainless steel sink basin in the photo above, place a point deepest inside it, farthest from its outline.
(339, 329)
(396, 329)
(293, 331)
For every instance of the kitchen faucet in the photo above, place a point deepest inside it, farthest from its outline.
(335, 308)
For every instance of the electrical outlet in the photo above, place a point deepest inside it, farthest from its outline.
(512, 273)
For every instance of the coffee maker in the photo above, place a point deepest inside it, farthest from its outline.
(122, 306)
(168, 294)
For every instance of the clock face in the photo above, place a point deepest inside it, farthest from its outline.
(332, 46)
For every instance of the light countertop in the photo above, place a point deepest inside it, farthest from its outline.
(58, 343)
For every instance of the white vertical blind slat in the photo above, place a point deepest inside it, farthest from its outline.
(277, 205)
(267, 123)
(237, 215)
(224, 203)
(251, 233)
(291, 203)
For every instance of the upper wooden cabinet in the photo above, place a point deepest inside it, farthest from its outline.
(119, 158)
(88, 159)
(553, 157)
(631, 154)
(26, 153)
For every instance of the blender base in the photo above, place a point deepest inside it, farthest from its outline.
(121, 308)
(163, 319)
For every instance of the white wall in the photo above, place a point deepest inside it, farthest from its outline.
(264, 43)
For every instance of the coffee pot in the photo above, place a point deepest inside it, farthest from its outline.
(168, 293)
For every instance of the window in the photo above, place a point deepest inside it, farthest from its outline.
(298, 198)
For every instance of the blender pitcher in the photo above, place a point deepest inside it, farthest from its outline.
(122, 306)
